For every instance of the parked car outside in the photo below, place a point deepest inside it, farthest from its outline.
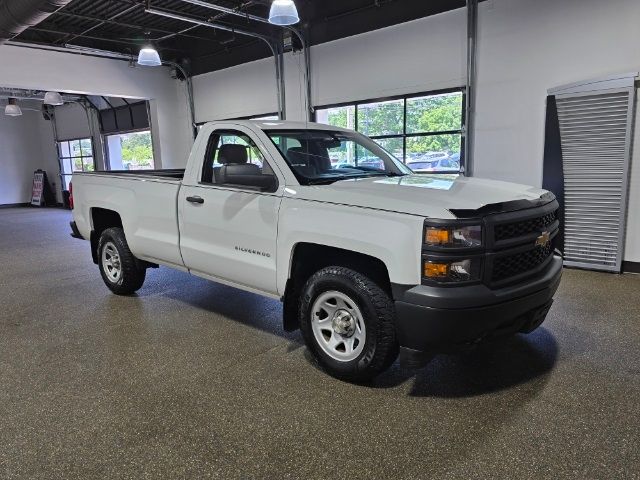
(445, 164)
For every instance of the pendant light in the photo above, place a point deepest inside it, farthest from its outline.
(149, 57)
(12, 109)
(283, 13)
(53, 98)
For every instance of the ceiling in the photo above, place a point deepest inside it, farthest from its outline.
(123, 26)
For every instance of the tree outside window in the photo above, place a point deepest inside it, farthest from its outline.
(424, 131)
(131, 151)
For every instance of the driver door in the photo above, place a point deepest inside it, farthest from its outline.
(229, 232)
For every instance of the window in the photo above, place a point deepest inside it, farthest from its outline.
(325, 156)
(130, 151)
(75, 156)
(425, 130)
(266, 118)
(230, 147)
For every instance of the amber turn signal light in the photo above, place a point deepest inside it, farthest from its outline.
(436, 236)
(436, 270)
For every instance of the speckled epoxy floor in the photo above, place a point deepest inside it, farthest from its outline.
(191, 379)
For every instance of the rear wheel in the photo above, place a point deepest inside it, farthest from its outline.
(348, 323)
(119, 268)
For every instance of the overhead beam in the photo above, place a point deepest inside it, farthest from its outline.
(213, 19)
(93, 37)
(88, 30)
(134, 26)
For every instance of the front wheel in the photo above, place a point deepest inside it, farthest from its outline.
(348, 323)
(118, 266)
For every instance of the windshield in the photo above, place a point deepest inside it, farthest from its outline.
(324, 156)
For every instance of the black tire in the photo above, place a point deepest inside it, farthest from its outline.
(132, 275)
(378, 311)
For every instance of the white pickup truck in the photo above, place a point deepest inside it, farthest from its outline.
(369, 259)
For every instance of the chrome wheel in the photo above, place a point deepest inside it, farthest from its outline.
(338, 326)
(111, 262)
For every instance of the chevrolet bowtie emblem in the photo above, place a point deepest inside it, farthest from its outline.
(543, 240)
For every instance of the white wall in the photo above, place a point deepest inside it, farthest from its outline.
(47, 70)
(524, 48)
(528, 47)
(423, 55)
(20, 155)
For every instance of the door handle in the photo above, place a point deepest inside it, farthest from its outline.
(195, 199)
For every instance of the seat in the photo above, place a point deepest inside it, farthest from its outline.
(230, 154)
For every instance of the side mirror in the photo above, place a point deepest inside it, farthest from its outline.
(247, 175)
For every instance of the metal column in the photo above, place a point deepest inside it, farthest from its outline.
(472, 42)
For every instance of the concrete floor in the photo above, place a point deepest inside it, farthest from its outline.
(191, 379)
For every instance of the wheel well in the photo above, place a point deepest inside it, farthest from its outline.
(101, 218)
(308, 258)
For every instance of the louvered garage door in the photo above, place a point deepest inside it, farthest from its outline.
(595, 133)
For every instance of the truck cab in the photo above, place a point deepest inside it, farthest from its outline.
(369, 258)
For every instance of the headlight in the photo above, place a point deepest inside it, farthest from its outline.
(469, 236)
(446, 271)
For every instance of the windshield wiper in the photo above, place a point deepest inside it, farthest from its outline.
(329, 181)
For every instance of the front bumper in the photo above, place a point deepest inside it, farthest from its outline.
(441, 319)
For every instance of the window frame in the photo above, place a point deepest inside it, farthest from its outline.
(209, 149)
(258, 118)
(404, 135)
(62, 158)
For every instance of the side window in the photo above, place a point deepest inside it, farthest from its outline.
(232, 148)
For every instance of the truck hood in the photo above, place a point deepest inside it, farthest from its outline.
(432, 196)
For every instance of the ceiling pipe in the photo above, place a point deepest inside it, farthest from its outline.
(276, 50)
(295, 31)
(18, 15)
(84, 51)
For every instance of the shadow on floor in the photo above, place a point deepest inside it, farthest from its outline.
(237, 305)
(492, 367)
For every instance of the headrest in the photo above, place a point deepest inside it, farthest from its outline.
(233, 154)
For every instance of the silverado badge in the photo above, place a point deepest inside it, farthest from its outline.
(543, 240)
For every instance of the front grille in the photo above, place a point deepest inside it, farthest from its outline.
(512, 265)
(525, 227)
